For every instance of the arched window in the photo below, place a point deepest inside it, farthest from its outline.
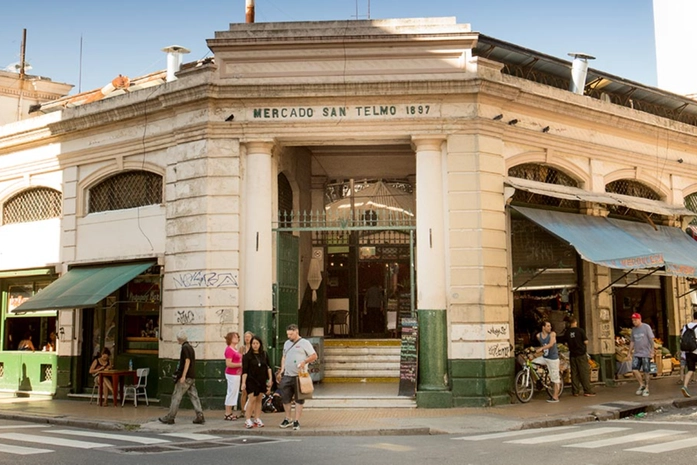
(633, 188)
(548, 175)
(691, 204)
(130, 189)
(36, 204)
(285, 202)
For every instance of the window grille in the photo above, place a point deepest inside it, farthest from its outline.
(46, 372)
(633, 188)
(546, 174)
(131, 189)
(691, 204)
(2, 370)
(35, 204)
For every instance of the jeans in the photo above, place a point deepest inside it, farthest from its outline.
(179, 389)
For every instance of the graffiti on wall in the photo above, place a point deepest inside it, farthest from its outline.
(205, 279)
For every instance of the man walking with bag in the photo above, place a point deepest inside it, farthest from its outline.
(687, 343)
(297, 354)
(185, 383)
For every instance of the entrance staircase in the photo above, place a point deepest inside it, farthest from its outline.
(360, 374)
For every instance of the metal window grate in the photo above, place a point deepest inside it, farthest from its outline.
(633, 188)
(546, 174)
(36, 204)
(691, 204)
(2, 370)
(126, 190)
(46, 372)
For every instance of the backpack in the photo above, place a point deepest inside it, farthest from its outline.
(688, 341)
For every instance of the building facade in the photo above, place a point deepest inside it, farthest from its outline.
(174, 201)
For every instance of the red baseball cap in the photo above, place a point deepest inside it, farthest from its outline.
(636, 316)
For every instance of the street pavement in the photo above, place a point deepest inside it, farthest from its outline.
(610, 403)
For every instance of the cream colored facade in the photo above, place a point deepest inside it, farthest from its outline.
(322, 101)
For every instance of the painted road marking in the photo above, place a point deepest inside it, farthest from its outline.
(508, 434)
(118, 437)
(52, 441)
(18, 450)
(659, 433)
(193, 436)
(545, 438)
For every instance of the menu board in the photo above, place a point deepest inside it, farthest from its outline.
(408, 364)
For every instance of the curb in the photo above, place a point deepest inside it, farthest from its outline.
(67, 421)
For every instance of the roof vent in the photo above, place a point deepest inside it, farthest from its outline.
(579, 70)
(174, 60)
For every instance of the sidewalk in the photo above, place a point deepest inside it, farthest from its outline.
(611, 402)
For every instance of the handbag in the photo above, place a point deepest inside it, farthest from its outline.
(305, 388)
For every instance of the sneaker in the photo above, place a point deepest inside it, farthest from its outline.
(552, 401)
(248, 424)
(296, 425)
(199, 420)
(166, 420)
(285, 423)
(645, 393)
(258, 423)
(685, 392)
(640, 391)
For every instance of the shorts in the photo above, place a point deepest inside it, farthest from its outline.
(641, 364)
(691, 359)
(287, 387)
(552, 368)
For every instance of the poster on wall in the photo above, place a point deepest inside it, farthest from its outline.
(408, 363)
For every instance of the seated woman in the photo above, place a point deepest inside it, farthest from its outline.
(51, 344)
(26, 344)
(102, 363)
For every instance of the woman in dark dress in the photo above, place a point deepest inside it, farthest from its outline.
(256, 380)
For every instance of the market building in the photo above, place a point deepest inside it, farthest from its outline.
(469, 183)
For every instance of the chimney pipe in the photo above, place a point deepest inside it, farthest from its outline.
(579, 70)
(249, 11)
(174, 60)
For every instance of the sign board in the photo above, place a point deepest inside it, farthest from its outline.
(408, 363)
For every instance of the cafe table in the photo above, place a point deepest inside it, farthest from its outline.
(115, 376)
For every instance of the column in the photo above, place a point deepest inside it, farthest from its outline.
(430, 275)
(257, 272)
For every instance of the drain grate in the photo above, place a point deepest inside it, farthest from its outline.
(146, 449)
(201, 445)
(250, 440)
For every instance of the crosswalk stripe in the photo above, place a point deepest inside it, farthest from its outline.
(544, 438)
(19, 450)
(118, 437)
(22, 426)
(666, 446)
(507, 434)
(193, 436)
(659, 433)
(52, 441)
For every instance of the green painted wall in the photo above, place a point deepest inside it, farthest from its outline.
(29, 372)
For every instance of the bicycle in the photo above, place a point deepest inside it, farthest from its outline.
(533, 375)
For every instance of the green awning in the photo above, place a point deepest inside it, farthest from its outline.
(83, 287)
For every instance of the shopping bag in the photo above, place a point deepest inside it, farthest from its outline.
(305, 388)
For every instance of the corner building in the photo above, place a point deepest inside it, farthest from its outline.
(214, 201)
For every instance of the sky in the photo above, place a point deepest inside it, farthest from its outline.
(126, 37)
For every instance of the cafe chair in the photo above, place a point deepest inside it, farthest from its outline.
(139, 389)
(95, 391)
(339, 320)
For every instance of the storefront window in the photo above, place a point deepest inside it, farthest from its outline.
(141, 314)
(37, 327)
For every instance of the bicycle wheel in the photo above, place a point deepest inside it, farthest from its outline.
(524, 386)
(550, 386)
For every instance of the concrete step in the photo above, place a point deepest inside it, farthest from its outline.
(360, 402)
(341, 358)
(367, 365)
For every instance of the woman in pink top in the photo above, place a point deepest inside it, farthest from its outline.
(233, 374)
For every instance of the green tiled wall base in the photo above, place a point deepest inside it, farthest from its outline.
(210, 384)
(481, 383)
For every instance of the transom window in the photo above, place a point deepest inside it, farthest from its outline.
(546, 174)
(130, 189)
(633, 188)
(36, 204)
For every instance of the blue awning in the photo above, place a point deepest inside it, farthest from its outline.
(596, 239)
(679, 250)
